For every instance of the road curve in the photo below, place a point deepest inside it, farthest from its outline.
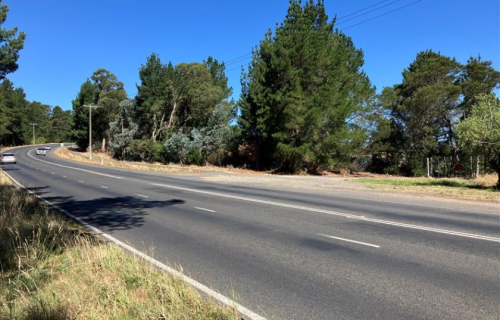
(289, 254)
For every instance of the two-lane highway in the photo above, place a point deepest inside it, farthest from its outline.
(286, 254)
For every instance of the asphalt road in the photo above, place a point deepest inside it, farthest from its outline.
(289, 254)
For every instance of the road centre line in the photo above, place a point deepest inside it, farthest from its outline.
(202, 288)
(141, 195)
(348, 240)
(84, 170)
(204, 209)
(340, 214)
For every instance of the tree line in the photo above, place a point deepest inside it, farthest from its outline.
(306, 105)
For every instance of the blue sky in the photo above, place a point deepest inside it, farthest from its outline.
(68, 40)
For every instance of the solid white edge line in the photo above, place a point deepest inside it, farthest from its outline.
(348, 240)
(141, 195)
(84, 170)
(345, 215)
(204, 209)
(200, 287)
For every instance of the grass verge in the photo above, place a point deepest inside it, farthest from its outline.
(103, 159)
(482, 188)
(50, 268)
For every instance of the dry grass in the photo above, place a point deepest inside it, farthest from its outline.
(52, 269)
(103, 159)
(481, 188)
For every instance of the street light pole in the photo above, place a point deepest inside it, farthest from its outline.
(90, 106)
(34, 137)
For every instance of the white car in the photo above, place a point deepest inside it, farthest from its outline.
(41, 151)
(8, 158)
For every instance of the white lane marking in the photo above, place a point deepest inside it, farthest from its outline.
(36, 168)
(141, 195)
(43, 170)
(79, 169)
(65, 177)
(340, 214)
(52, 173)
(80, 181)
(215, 295)
(104, 187)
(204, 209)
(348, 240)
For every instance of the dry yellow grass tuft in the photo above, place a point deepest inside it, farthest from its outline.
(103, 159)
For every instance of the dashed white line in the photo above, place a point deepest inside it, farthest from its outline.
(214, 294)
(104, 187)
(335, 213)
(52, 173)
(204, 209)
(348, 240)
(80, 181)
(65, 177)
(141, 195)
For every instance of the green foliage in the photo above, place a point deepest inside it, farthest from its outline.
(178, 98)
(11, 42)
(61, 123)
(122, 130)
(104, 91)
(146, 150)
(480, 132)
(304, 96)
(86, 96)
(478, 77)
(422, 112)
(13, 121)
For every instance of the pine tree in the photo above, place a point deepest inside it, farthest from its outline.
(304, 93)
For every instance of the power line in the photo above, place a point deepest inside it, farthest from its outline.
(380, 15)
(350, 14)
(249, 55)
(359, 15)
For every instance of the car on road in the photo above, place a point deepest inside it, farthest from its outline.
(47, 147)
(8, 158)
(41, 151)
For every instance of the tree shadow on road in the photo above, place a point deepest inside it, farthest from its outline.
(111, 214)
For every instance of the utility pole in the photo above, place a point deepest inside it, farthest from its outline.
(90, 106)
(34, 137)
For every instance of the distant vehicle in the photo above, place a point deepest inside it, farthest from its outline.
(41, 150)
(8, 158)
(47, 147)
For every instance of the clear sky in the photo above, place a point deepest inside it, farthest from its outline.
(68, 40)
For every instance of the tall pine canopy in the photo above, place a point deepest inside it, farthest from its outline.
(304, 93)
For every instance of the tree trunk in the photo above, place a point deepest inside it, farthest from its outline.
(172, 116)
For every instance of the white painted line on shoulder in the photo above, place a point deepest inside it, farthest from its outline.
(204, 209)
(79, 169)
(340, 214)
(141, 195)
(211, 293)
(348, 240)
(104, 187)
